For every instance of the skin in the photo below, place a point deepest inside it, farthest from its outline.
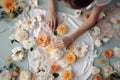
(61, 42)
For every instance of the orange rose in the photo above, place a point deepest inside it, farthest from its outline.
(54, 68)
(97, 77)
(43, 40)
(108, 53)
(70, 58)
(67, 75)
(62, 29)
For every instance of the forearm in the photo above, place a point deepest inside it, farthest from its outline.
(51, 5)
(83, 28)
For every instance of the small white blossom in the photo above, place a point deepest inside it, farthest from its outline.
(108, 70)
(106, 39)
(21, 35)
(39, 18)
(29, 23)
(25, 75)
(27, 44)
(98, 43)
(95, 70)
(80, 49)
(17, 56)
(116, 52)
(64, 16)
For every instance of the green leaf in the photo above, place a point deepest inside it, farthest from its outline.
(55, 33)
(18, 52)
(56, 75)
(31, 49)
(12, 41)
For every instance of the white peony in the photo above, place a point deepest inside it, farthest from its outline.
(33, 3)
(77, 13)
(98, 43)
(19, 25)
(21, 35)
(28, 44)
(95, 70)
(17, 56)
(56, 54)
(80, 49)
(16, 49)
(116, 52)
(29, 23)
(96, 31)
(6, 75)
(25, 75)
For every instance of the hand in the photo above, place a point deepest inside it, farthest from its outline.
(61, 42)
(52, 19)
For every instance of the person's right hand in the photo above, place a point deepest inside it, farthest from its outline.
(52, 19)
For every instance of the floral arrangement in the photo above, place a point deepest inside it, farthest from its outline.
(11, 8)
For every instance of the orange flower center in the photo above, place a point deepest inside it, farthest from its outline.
(118, 21)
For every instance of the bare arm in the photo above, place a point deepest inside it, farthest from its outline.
(51, 15)
(89, 23)
(65, 41)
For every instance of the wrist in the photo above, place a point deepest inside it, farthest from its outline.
(71, 38)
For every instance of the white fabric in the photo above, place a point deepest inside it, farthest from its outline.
(81, 68)
(98, 3)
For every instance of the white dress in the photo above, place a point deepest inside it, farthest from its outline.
(98, 3)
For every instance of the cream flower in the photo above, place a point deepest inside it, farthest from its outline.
(33, 3)
(117, 66)
(116, 52)
(95, 70)
(106, 39)
(21, 35)
(108, 70)
(96, 31)
(6, 75)
(80, 49)
(77, 13)
(19, 25)
(56, 54)
(29, 23)
(98, 43)
(116, 21)
(27, 44)
(25, 75)
(17, 56)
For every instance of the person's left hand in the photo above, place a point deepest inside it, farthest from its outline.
(61, 42)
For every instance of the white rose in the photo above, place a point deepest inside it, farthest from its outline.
(25, 75)
(116, 52)
(21, 35)
(6, 75)
(27, 44)
(95, 70)
(96, 31)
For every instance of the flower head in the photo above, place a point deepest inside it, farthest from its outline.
(80, 49)
(67, 75)
(25, 75)
(33, 3)
(9, 5)
(62, 29)
(19, 25)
